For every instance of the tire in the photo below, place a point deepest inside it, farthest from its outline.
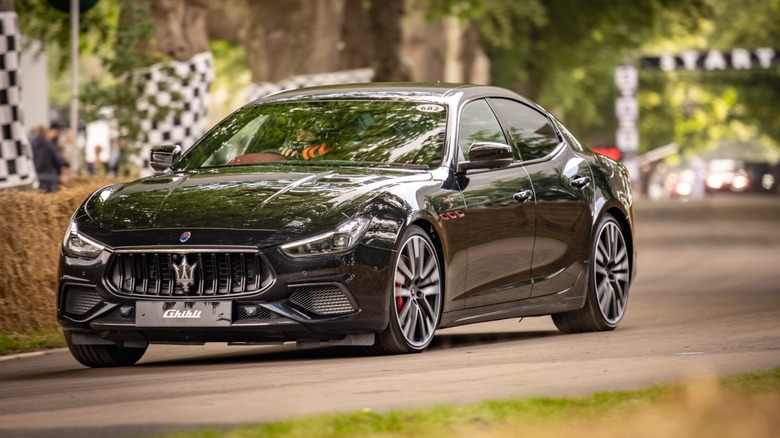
(607, 295)
(416, 293)
(102, 356)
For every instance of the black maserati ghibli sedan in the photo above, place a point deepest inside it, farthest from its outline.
(368, 215)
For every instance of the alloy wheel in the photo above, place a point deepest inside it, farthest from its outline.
(611, 271)
(417, 291)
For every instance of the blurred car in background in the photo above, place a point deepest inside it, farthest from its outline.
(727, 175)
(686, 181)
(681, 183)
(763, 176)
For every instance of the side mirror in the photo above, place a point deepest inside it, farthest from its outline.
(487, 155)
(165, 156)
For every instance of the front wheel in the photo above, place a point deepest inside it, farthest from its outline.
(416, 292)
(607, 294)
(100, 356)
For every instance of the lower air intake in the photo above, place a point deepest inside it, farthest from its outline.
(81, 300)
(327, 300)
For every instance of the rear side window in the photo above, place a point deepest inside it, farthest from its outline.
(531, 132)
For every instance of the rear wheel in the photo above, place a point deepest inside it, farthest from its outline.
(100, 356)
(417, 290)
(607, 295)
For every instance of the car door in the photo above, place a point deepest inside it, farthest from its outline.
(500, 210)
(563, 186)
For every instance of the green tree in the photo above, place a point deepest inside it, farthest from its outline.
(160, 31)
(562, 53)
(97, 28)
(699, 110)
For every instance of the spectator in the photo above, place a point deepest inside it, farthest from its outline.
(47, 155)
(97, 166)
(699, 168)
(127, 167)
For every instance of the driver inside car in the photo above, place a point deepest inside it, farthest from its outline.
(306, 145)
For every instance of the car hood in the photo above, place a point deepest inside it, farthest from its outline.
(300, 199)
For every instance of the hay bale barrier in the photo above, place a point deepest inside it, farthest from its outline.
(33, 224)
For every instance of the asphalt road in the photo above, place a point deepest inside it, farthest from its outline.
(706, 302)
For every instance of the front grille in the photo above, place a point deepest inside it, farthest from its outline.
(187, 275)
(322, 300)
(80, 300)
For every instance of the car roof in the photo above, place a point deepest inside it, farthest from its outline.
(392, 90)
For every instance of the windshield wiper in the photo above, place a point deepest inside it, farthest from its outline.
(391, 165)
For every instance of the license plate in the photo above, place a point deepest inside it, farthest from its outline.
(183, 314)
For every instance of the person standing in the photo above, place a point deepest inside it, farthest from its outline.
(48, 158)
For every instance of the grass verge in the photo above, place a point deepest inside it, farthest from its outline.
(741, 406)
(16, 343)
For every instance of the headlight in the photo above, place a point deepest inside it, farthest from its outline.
(78, 245)
(346, 236)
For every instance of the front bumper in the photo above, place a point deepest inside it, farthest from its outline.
(310, 299)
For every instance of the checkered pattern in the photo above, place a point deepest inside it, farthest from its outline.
(16, 165)
(192, 80)
(257, 91)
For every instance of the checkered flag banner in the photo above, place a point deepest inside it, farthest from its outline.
(191, 80)
(257, 91)
(16, 165)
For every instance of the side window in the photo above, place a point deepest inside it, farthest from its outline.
(532, 134)
(478, 123)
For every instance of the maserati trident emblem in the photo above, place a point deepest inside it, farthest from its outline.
(185, 236)
(185, 274)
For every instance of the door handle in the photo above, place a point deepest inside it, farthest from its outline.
(580, 182)
(523, 195)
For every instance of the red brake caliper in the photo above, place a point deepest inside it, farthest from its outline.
(399, 301)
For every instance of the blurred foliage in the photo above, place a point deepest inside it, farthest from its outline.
(561, 53)
(231, 77)
(703, 111)
(97, 26)
(123, 87)
(744, 23)
(499, 20)
(117, 84)
(565, 55)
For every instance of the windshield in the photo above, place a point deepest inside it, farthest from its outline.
(354, 132)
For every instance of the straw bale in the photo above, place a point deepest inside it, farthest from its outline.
(32, 225)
